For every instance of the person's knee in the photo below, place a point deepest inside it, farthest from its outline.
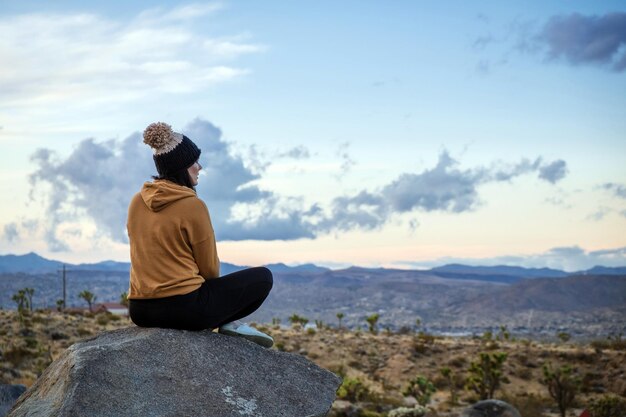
(267, 277)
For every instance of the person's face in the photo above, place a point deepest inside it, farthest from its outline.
(193, 171)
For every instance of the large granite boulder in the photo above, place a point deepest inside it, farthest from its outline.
(491, 408)
(8, 394)
(163, 372)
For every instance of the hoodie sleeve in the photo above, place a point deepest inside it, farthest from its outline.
(202, 239)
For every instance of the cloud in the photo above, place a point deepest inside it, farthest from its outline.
(157, 51)
(554, 171)
(346, 160)
(443, 188)
(297, 152)
(9, 232)
(98, 179)
(618, 190)
(566, 258)
(579, 39)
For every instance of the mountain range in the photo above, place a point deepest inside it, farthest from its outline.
(32, 263)
(451, 298)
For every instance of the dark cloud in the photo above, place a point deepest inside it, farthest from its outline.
(98, 179)
(554, 171)
(443, 188)
(618, 189)
(582, 39)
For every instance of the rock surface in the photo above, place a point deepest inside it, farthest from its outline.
(8, 394)
(163, 372)
(491, 408)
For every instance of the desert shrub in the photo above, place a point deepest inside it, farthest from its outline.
(115, 317)
(592, 382)
(421, 389)
(15, 354)
(458, 361)
(608, 406)
(353, 389)
(310, 331)
(612, 342)
(280, 346)
(418, 411)
(528, 405)
(31, 342)
(338, 369)
(83, 331)
(578, 355)
(524, 373)
(426, 338)
(405, 330)
(102, 319)
(56, 335)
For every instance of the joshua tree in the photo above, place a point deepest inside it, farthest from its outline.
(504, 333)
(485, 374)
(372, 321)
(296, 319)
(340, 316)
(89, 297)
(20, 299)
(564, 336)
(562, 384)
(124, 299)
(60, 305)
(421, 389)
(447, 373)
(319, 324)
(29, 295)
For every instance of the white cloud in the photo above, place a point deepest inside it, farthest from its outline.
(52, 59)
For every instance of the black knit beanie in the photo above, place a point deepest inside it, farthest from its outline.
(172, 151)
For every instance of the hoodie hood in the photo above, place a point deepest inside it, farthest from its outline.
(161, 193)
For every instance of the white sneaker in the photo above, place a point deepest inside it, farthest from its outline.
(237, 328)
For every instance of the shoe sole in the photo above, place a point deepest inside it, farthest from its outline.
(259, 340)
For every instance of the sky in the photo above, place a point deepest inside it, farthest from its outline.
(382, 134)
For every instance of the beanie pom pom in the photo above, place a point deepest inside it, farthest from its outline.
(158, 135)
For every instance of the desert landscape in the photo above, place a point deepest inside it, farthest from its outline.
(377, 365)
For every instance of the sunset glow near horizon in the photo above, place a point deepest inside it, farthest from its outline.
(403, 135)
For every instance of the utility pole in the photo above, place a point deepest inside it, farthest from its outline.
(64, 292)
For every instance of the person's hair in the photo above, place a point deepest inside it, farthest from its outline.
(180, 177)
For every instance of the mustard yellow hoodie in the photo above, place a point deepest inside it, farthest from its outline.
(172, 243)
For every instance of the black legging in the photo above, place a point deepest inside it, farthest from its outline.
(216, 302)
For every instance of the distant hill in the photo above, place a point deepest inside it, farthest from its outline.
(564, 295)
(310, 268)
(500, 271)
(30, 263)
(603, 270)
